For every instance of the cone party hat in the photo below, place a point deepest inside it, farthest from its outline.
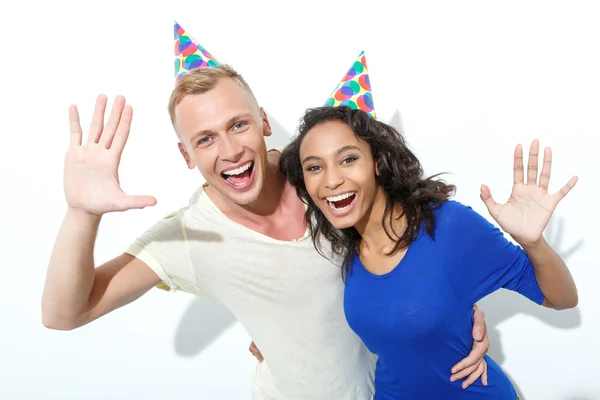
(189, 54)
(354, 90)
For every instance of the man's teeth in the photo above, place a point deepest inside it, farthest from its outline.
(239, 170)
(340, 197)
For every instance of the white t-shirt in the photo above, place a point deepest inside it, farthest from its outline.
(287, 296)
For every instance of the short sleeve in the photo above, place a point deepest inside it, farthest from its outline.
(483, 260)
(163, 248)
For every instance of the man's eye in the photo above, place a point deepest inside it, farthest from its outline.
(239, 125)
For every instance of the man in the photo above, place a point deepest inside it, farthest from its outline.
(240, 241)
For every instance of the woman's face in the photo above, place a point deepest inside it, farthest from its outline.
(339, 173)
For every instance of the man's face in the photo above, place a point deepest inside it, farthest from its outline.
(222, 134)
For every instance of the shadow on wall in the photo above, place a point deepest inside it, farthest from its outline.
(396, 122)
(582, 398)
(280, 137)
(202, 323)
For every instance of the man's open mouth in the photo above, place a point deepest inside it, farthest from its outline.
(239, 177)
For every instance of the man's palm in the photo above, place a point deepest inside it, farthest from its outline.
(91, 179)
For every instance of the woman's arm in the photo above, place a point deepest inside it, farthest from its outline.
(526, 215)
(552, 275)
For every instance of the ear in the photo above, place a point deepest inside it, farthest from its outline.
(186, 156)
(376, 167)
(267, 131)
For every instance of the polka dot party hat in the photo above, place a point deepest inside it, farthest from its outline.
(189, 54)
(354, 90)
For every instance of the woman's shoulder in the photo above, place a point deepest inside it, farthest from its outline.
(460, 219)
(454, 212)
(450, 206)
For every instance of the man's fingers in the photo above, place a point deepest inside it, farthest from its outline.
(113, 122)
(464, 372)
(137, 202)
(97, 120)
(484, 376)
(479, 327)
(474, 376)
(75, 126)
(255, 352)
(474, 357)
(122, 133)
(473, 365)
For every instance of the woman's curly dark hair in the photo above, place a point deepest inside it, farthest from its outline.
(400, 176)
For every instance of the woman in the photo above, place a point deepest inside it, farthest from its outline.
(415, 262)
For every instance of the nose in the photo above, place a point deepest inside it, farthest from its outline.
(230, 149)
(333, 178)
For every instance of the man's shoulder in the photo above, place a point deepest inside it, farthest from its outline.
(198, 205)
(196, 196)
(175, 217)
(274, 154)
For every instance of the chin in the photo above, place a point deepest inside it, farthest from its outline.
(344, 222)
(244, 189)
(243, 199)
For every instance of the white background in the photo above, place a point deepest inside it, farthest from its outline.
(465, 81)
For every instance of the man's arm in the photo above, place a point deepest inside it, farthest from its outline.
(75, 292)
(474, 366)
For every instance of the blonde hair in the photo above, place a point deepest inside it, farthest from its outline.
(201, 80)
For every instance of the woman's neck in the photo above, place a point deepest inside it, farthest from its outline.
(374, 237)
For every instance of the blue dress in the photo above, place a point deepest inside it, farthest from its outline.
(418, 318)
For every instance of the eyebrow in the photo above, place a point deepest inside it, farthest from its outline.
(339, 151)
(230, 122)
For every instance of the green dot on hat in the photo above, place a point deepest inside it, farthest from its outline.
(358, 67)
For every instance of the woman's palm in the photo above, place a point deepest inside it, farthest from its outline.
(530, 206)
